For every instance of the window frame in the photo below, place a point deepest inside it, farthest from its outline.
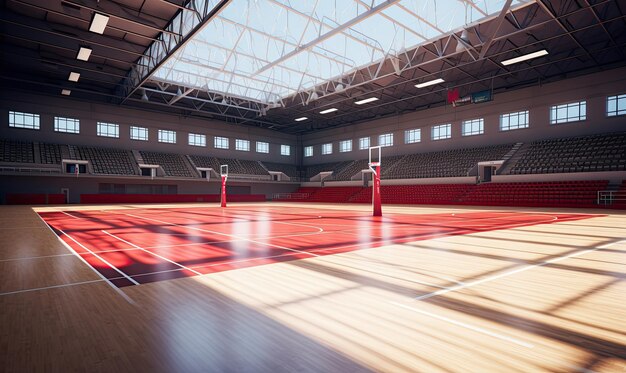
(107, 133)
(285, 149)
(388, 136)
(308, 151)
(619, 111)
(437, 128)
(472, 123)
(242, 145)
(65, 129)
(221, 142)
(262, 147)
(327, 148)
(362, 140)
(166, 136)
(345, 146)
(139, 131)
(413, 136)
(35, 124)
(194, 142)
(555, 119)
(517, 114)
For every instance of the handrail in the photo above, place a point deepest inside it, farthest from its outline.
(608, 197)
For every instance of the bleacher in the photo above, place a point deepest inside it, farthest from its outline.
(317, 168)
(108, 161)
(52, 153)
(204, 161)
(448, 163)
(172, 164)
(539, 194)
(16, 151)
(605, 152)
(344, 172)
(288, 169)
(243, 167)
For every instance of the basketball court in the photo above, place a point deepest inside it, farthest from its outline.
(411, 290)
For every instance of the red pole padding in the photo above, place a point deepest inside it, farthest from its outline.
(223, 191)
(376, 204)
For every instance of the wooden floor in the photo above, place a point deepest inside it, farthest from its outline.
(538, 298)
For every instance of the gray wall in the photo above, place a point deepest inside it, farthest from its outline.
(593, 88)
(89, 114)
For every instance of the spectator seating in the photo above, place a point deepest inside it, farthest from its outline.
(52, 153)
(108, 161)
(204, 161)
(243, 167)
(172, 164)
(288, 169)
(16, 151)
(316, 169)
(539, 194)
(448, 163)
(544, 194)
(606, 152)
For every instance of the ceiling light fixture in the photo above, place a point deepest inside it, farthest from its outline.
(524, 57)
(66, 92)
(74, 77)
(328, 110)
(429, 83)
(339, 87)
(83, 54)
(301, 119)
(98, 23)
(144, 96)
(367, 100)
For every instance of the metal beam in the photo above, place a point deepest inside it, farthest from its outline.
(171, 39)
(498, 23)
(372, 11)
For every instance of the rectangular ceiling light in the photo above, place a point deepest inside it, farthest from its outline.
(328, 110)
(66, 92)
(83, 54)
(429, 83)
(301, 119)
(367, 100)
(525, 57)
(74, 77)
(98, 23)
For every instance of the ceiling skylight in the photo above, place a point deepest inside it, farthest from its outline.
(268, 50)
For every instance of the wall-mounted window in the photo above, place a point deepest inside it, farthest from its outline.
(285, 150)
(167, 136)
(412, 136)
(616, 105)
(473, 127)
(441, 132)
(220, 142)
(385, 139)
(262, 147)
(327, 149)
(364, 143)
(514, 121)
(67, 125)
(23, 120)
(243, 145)
(108, 129)
(197, 139)
(345, 146)
(138, 133)
(571, 112)
(308, 151)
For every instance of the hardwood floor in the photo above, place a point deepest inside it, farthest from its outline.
(539, 298)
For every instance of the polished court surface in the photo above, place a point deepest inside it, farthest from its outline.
(292, 287)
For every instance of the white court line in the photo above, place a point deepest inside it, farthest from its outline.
(52, 287)
(514, 271)
(102, 259)
(466, 326)
(70, 215)
(118, 290)
(223, 234)
(150, 252)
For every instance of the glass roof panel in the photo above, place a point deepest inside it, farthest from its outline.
(267, 50)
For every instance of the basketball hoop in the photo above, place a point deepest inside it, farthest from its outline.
(374, 162)
(224, 175)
